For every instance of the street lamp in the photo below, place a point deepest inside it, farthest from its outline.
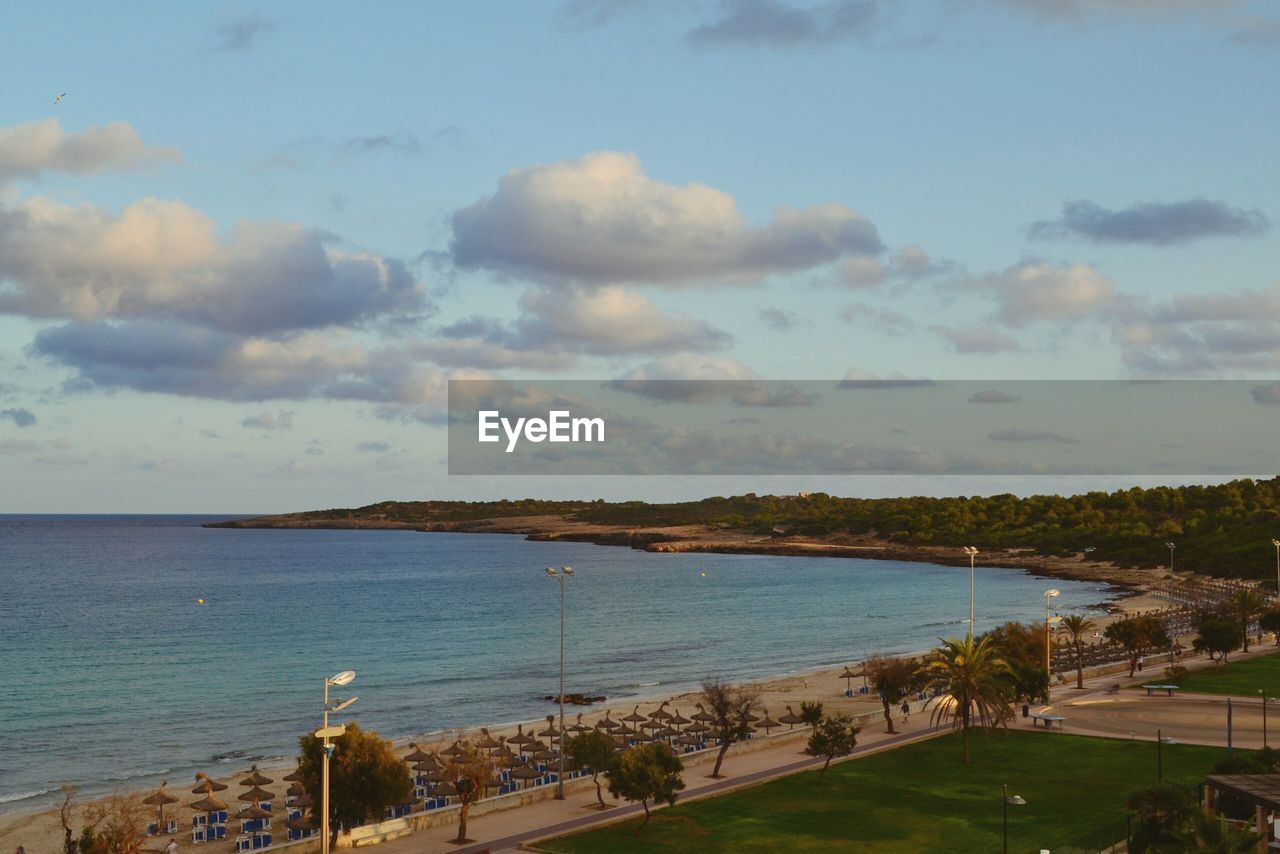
(1161, 741)
(325, 733)
(1170, 547)
(565, 573)
(1276, 543)
(1008, 799)
(1263, 694)
(972, 552)
(1048, 674)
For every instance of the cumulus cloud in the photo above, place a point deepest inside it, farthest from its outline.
(600, 219)
(970, 340)
(164, 259)
(33, 148)
(1202, 334)
(694, 379)
(1154, 223)
(555, 326)
(1019, 434)
(784, 24)
(19, 416)
(909, 264)
(990, 395)
(884, 320)
(239, 34)
(856, 379)
(281, 420)
(406, 144)
(174, 358)
(779, 319)
(1034, 291)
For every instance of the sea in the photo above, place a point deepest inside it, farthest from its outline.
(135, 649)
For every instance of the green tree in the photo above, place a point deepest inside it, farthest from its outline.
(730, 708)
(1270, 622)
(594, 750)
(1161, 811)
(1022, 648)
(975, 683)
(1138, 635)
(647, 772)
(894, 679)
(1078, 626)
(1204, 833)
(810, 712)
(115, 824)
(365, 776)
(1246, 604)
(1217, 636)
(832, 737)
(470, 769)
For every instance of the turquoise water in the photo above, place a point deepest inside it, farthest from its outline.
(111, 673)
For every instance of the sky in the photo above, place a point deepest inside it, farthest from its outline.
(244, 252)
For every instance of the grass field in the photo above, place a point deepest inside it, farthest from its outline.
(1242, 678)
(921, 798)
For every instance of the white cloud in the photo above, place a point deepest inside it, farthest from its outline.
(1034, 291)
(281, 420)
(599, 219)
(982, 340)
(32, 148)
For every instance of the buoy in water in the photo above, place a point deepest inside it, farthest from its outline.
(199, 601)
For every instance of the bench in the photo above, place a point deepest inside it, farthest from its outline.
(1049, 720)
(1114, 689)
(1168, 689)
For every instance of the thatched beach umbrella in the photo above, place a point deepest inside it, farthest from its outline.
(446, 789)
(690, 740)
(257, 795)
(546, 756)
(295, 789)
(579, 726)
(302, 822)
(791, 718)
(665, 732)
(208, 804)
(255, 778)
(624, 730)
(699, 727)
(551, 731)
(703, 716)
(294, 776)
(207, 785)
(302, 801)
(455, 749)
(768, 723)
(660, 713)
(635, 717)
(159, 798)
(488, 742)
(524, 773)
(433, 775)
(417, 754)
(520, 739)
(607, 722)
(848, 677)
(254, 811)
(678, 720)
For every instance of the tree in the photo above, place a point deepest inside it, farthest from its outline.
(116, 824)
(832, 737)
(594, 750)
(1205, 833)
(1022, 648)
(730, 708)
(1217, 636)
(1161, 810)
(810, 712)
(65, 811)
(894, 679)
(975, 682)
(648, 772)
(1077, 626)
(1137, 636)
(470, 769)
(1246, 604)
(365, 776)
(1270, 622)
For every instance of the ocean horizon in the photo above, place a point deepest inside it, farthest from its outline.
(117, 675)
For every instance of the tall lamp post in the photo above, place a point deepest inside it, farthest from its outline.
(1262, 693)
(1170, 547)
(1048, 673)
(1276, 543)
(325, 733)
(972, 552)
(1006, 800)
(565, 573)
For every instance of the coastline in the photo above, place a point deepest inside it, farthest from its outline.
(700, 538)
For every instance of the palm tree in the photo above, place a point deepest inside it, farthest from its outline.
(976, 684)
(1077, 626)
(1247, 604)
(1213, 835)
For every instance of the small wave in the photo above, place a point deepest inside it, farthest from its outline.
(642, 685)
(129, 775)
(22, 796)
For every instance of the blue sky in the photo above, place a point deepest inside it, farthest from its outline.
(240, 258)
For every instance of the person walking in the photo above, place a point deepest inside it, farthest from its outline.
(906, 711)
(172, 847)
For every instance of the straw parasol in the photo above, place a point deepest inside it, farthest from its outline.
(417, 754)
(255, 778)
(455, 749)
(302, 822)
(703, 716)
(207, 785)
(256, 795)
(579, 726)
(294, 776)
(697, 728)
(520, 739)
(525, 773)
(551, 731)
(208, 804)
(678, 720)
(446, 789)
(607, 722)
(295, 789)
(768, 723)
(432, 775)
(624, 730)
(254, 811)
(302, 801)
(635, 717)
(690, 740)
(791, 718)
(488, 742)
(660, 713)
(848, 676)
(160, 798)
(546, 756)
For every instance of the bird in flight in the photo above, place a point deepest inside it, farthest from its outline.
(59, 98)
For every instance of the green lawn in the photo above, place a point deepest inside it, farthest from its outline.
(921, 798)
(1242, 678)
